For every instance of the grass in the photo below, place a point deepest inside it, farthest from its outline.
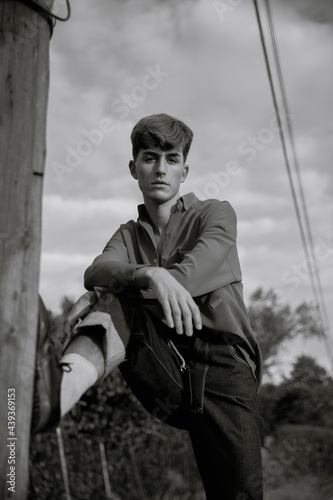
(304, 488)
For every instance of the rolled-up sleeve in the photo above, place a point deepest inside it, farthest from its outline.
(112, 268)
(213, 261)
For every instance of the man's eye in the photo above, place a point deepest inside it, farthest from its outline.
(172, 160)
(149, 159)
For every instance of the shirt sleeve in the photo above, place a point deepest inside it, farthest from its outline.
(210, 264)
(112, 268)
(213, 261)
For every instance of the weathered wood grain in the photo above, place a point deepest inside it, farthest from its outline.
(24, 70)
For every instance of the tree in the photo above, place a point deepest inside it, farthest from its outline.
(302, 398)
(307, 374)
(306, 395)
(275, 323)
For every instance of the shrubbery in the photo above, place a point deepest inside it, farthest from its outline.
(305, 449)
(145, 458)
(298, 463)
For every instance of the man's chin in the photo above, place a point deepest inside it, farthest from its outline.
(159, 197)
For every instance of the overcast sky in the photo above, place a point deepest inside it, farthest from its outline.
(116, 61)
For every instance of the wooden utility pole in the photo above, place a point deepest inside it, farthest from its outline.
(24, 79)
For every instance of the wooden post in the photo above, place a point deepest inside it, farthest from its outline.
(105, 471)
(63, 463)
(24, 63)
(137, 477)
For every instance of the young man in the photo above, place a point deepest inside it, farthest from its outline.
(167, 290)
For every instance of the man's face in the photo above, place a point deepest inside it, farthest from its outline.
(159, 173)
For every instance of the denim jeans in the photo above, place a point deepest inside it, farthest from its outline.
(203, 384)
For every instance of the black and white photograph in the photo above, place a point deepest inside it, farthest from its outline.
(166, 250)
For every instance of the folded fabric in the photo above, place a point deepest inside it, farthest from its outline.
(111, 318)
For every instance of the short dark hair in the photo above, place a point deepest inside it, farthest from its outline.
(161, 131)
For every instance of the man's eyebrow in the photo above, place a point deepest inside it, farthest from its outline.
(149, 152)
(153, 152)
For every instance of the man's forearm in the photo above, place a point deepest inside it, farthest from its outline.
(110, 274)
(180, 310)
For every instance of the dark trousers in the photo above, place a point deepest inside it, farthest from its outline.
(214, 397)
(226, 436)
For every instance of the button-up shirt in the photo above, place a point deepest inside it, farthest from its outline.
(199, 249)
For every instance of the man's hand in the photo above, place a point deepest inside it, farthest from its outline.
(79, 310)
(180, 310)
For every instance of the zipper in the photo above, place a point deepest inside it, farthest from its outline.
(180, 357)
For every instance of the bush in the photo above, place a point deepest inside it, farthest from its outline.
(145, 458)
(300, 450)
(303, 488)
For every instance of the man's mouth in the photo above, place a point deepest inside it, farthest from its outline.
(158, 183)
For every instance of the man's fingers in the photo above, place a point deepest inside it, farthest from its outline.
(182, 315)
(176, 314)
(187, 320)
(173, 313)
(196, 316)
(180, 310)
(167, 313)
(185, 314)
(191, 316)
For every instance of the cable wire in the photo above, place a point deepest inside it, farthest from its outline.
(55, 16)
(45, 12)
(317, 288)
(311, 262)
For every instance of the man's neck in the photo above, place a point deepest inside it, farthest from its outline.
(159, 214)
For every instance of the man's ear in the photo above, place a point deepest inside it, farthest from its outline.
(132, 168)
(185, 172)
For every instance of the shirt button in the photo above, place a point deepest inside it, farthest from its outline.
(155, 260)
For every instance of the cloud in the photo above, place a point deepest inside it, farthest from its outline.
(83, 226)
(217, 83)
(320, 12)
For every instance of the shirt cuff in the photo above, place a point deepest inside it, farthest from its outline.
(134, 280)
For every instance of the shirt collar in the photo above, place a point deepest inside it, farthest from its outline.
(185, 201)
(188, 200)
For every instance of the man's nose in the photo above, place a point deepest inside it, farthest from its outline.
(160, 166)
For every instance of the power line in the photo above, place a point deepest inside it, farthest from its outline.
(307, 240)
(320, 298)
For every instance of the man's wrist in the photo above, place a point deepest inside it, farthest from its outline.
(142, 276)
